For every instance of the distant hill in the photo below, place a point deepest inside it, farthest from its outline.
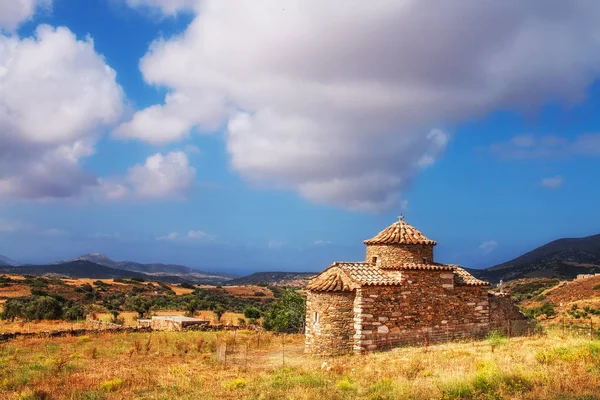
(5, 261)
(562, 258)
(276, 278)
(75, 269)
(158, 269)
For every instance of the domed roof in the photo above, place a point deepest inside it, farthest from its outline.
(400, 233)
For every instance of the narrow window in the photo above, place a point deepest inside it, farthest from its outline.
(424, 261)
(316, 317)
(374, 260)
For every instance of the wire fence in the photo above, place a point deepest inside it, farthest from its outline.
(584, 327)
(233, 348)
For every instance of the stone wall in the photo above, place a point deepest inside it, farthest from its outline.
(506, 317)
(330, 331)
(427, 308)
(393, 255)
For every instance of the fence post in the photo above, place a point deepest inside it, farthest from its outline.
(283, 350)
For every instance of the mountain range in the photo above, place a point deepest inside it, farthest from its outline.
(96, 265)
(562, 258)
(7, 262)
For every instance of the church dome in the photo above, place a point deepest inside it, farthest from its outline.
(400, 233)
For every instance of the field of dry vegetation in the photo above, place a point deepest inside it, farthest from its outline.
(249, 365)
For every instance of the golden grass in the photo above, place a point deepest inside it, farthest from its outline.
(186, 365)
(11, 291)
(39, 326)
(83, 281)
(130, 318)
(179, 291)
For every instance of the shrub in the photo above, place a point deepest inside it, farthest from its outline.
(597, 287)
(237, 383)
(346, 385)
(287, 314)
(74, 312)
(140, 304)
(186, 285)
(251, 312)
(219, 311)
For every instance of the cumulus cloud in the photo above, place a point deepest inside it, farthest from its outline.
(14, 12)
(553, 182)
(347, 104)
(161, 176)
(527, 147)
(56, 93)
(488, 246)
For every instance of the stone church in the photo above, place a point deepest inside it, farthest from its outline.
(399, 296)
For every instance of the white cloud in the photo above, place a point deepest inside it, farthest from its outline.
(526, 147)
(170, 236)
(14, 12)
(199, 235)
(168, 7)
(553, 182)
(488, 246)
(191, 236)
(161, 176)
(55, 94)
(321, 242)
(345, 104)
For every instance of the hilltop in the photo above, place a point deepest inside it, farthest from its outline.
(563, 258)
(99, 266)
(5, 261)
(158, 269)
(276, 278)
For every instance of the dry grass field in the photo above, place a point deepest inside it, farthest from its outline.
(129, 319)
(187, 365)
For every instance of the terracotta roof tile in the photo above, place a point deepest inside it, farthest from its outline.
(400, 233)
(463, 278)
(429, 266)
(348, 276)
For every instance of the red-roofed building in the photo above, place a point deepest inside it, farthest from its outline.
(399, 295)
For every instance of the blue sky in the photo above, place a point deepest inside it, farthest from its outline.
(236, 138)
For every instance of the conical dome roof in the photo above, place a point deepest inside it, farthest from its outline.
(400, 233)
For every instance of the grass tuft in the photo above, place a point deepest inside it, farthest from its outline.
(111, 385)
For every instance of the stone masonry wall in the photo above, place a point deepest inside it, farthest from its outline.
(333, 332)
(427, 308)
(506, 317)
(393, 255)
